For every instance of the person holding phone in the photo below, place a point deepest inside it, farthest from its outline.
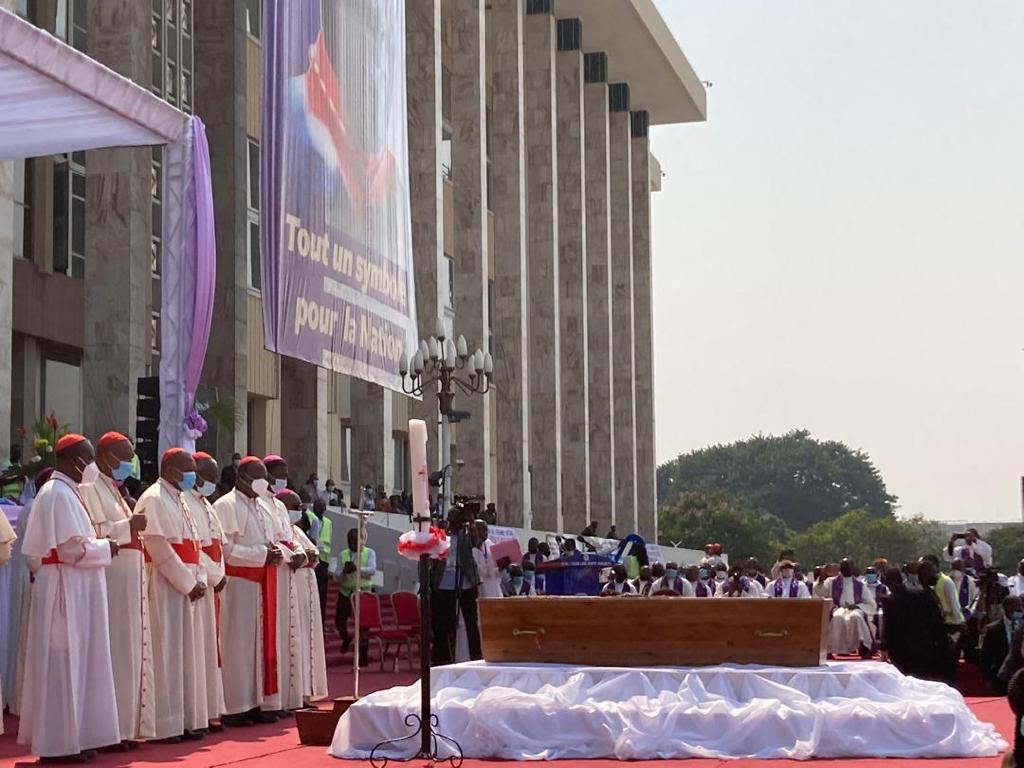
(974, 551)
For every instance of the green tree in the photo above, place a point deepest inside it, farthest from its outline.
(1007, 547)
(696, 518)
(862, 537)
(794, 477)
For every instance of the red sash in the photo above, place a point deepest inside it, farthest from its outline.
(52, 559)
(266, 577)
(214, 551)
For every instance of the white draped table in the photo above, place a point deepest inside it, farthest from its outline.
(553, 711)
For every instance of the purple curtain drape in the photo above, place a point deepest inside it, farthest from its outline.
(205, 274)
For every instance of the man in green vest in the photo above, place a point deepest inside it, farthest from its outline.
(320, 532)
(368, 567)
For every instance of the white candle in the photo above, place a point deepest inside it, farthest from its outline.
(420, 472)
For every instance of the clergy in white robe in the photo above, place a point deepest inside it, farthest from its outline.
(312, 666)
(486, 567)
(68, 704)
(211, 559)
(7, 539)
(672, 583)
(852, 604)
(293, 559)
(127, 589)
(23, 570)
(1017, 581)
(248, 616)
(176, 585)
(786, 585)
(737, 585)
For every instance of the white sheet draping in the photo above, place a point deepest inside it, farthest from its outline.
(548, 712)
(57, 99)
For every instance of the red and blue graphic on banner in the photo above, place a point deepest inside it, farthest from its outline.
(336, 252)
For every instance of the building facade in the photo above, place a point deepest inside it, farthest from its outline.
(531, 175)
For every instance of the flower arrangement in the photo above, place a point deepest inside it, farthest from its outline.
(44, 434)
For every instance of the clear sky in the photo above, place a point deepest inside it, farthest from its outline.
(840, 247)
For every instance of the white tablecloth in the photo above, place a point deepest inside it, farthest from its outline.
(550, 711)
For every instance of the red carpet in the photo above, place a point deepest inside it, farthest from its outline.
(277, 745)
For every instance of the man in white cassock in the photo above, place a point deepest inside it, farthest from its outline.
(7, 539)
(211, 558)
(852, 603)
(248, 616)
(293, 559)
(131, 648)
(312, 662)
(177, 585)
(23, 573)
(785, 586)
(68, 705)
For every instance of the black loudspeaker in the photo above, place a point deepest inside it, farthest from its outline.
(147, 427)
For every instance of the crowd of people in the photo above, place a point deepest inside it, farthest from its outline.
(166, 617)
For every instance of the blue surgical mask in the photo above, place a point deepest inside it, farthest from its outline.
(280, 484)
(517, 582)
(671, 574)
(188, 481)
(205, 489)
(122, 471)
(530, 576)
(872, 578)
(702, 574)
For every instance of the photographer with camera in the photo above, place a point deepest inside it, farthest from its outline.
(455, 585)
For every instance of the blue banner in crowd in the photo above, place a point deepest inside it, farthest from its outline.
(336, 248)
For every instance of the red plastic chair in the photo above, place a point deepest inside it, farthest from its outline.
(372, 627)
(407, 611)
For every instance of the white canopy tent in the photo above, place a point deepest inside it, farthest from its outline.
(56, 99)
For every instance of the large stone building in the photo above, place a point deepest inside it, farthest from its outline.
(531, 175)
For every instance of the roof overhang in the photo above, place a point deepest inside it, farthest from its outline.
(642, 52)
(56, 99)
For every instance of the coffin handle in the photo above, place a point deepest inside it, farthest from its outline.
(518, 632)
(764, 633)
(536, 633)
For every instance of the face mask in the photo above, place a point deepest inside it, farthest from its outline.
(122, 471)
(205, 489)
(260, 486)
(671, 574)
(530, 576)
(702, 575)
(872, 578)
(280, 484)
(517, 582)
(90, 472)
(188, 481)
(294, 515)
(719, 575)
(787, 573)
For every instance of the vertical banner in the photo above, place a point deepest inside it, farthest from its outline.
(335, 239)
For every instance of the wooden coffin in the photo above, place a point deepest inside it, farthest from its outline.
(641, 632)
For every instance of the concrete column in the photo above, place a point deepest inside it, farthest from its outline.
(599, 326)
(542, 249)
(220, 101)
(469, 164)
(643, 330)
(508, 200)
(305, 436)
(572, 276)
(6, 294)
(621, 234)
(118, 273)
(423, 85)
(368, 418)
